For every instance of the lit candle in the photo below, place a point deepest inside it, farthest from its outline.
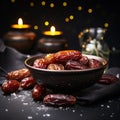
(20, 37)
(52, 32)
(20, 25)
(52, 41)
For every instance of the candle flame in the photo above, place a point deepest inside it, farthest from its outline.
(20, 21)
(52, 29)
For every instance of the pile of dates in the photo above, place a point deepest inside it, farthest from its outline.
(21, 79)
(66, 60)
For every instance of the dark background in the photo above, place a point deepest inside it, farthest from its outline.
(33, 13)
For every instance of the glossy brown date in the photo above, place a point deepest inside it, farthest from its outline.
(55, 67)
(93, 63)
(10, 86)
(40, 63)
(59, 100)
(38, 92)
(66, 55)
(108, 79)
(75, 65)
(84, 60)
(18, 74)
(27, 83)
(49, 58)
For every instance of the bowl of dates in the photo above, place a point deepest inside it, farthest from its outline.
(66, 70)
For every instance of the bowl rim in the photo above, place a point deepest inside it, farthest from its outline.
(104, 65)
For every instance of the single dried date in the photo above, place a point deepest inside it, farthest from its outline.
(74, 65)
(10, 86)
(108, 79)
(55, 67)
(40, 63)
(49, 58)
(18, 74)
(38, 92)
(93, 63)
(66, 55)
(84, 60)
(27, 83)
(59, 100)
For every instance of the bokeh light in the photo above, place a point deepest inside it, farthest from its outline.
(46, 23)
(35, 27)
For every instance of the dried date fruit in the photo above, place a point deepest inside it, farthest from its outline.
(18, 74)
(38, 92)
(84, 60)
(93, 63)
(40, 63)
(66, 55)
(108, 79)
(74, 65)
(55, 67)
(10, 86)
(49, 58)
(59, 100)
(27, 83)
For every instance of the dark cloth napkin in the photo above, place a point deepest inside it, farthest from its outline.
(99, 91)
(10, 59)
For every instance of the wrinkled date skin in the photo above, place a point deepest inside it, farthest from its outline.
(40, 63)
(27, 83)
(49, 58)
(84, 60)
(108, 79)
(55, 67)
(66, 55)
(75, 65)
(94, 63)
(38, 92)
(10, 86)
(59, 100)
(18, 74)
(66, 60)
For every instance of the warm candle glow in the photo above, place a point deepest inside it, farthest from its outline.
(52, 29)
(52, 32)
(20, 21)
(20, 25)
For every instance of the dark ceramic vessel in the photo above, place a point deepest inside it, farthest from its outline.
(21, 40)
(66, 80)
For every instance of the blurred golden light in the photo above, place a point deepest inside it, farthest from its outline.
(64, 4)
(43, 3)
(36, 27)
(106, 25)
(90, 10)
(79, 8)
(46, 23)
(32, 4)
(66, 19)
(71, 17)
(52, 5)
(12, 1)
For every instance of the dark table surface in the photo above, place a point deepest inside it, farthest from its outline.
(21, 106)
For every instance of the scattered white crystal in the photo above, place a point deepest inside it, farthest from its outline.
(81, 115)
(6, 110)
(73, 110)
(108, 106)
(46, 115)
(29, 117)
(25, 103)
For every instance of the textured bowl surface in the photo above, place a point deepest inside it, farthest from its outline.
(66, 80)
